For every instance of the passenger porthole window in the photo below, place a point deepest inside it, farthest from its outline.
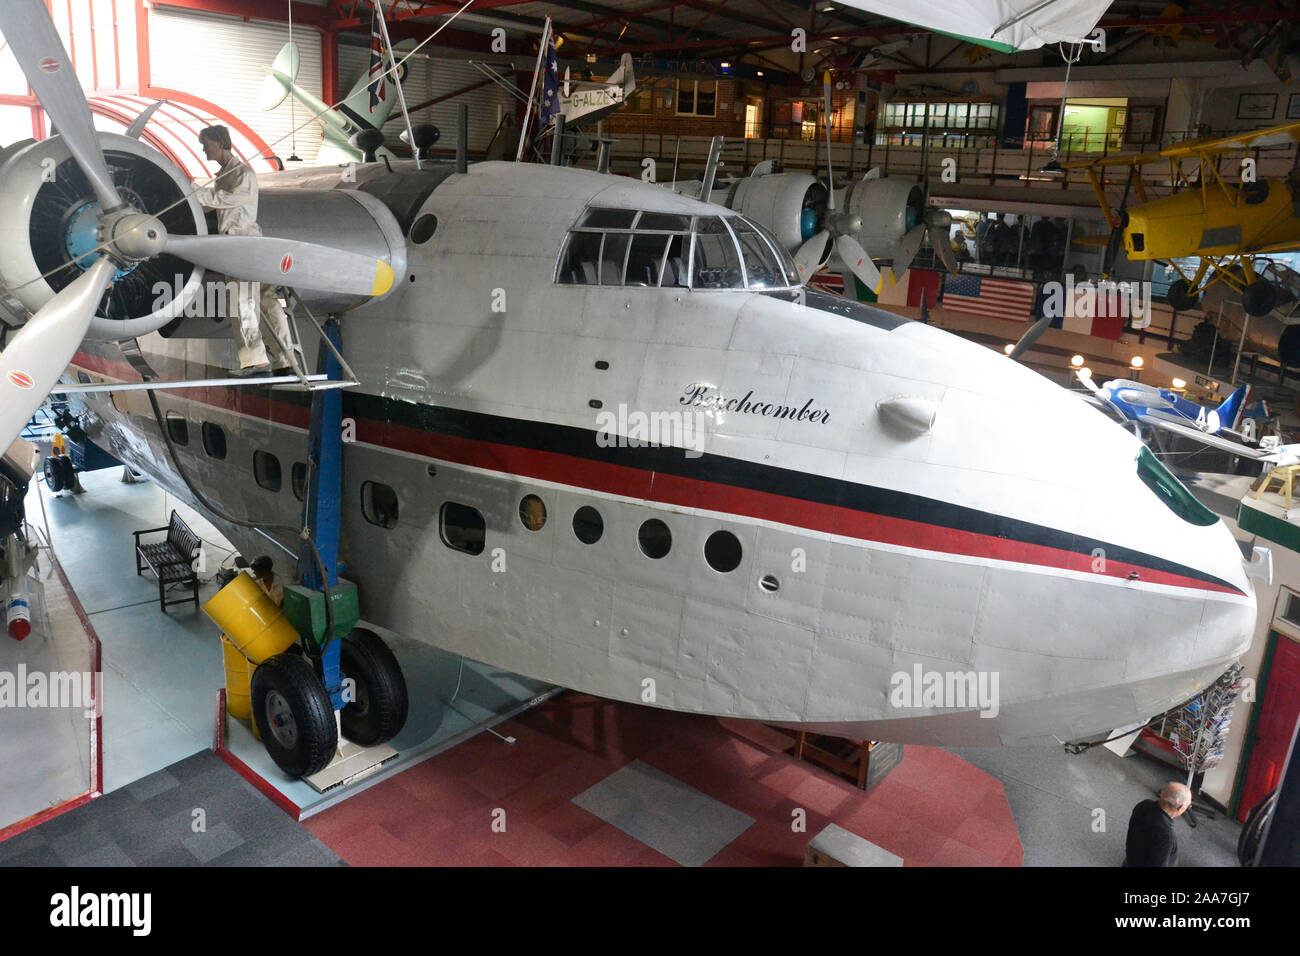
(532, 512)
(214, 441)
(655, 538)
(462, 527)
(588, 525)
(298, 479)
(266, 470)
(723, 552)
(379, 504)
(178, 429)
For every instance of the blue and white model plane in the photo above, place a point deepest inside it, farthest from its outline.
(1170, 412)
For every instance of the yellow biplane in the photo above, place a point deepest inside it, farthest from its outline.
(1224, 224)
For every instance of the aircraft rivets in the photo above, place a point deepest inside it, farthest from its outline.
(595, 623)
(1133, 576)
(625, 632)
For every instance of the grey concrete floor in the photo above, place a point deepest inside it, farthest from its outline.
(1073, 810)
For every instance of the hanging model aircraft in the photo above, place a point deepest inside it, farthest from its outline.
(1221, 223)
(837, 503)
(339, 123)
(584, 102)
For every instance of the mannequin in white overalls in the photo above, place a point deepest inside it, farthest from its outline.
(233, 195)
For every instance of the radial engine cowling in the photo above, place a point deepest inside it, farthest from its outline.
(889, 207)
(790, 205)
(48, 232)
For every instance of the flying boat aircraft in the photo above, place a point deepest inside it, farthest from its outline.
(853, 505)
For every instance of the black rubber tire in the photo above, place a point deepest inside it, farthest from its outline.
(306, 737)
(53, 474)
(1259, 298)
(378, 712)
(1252, 831)
(69, 472)
(1181, 298)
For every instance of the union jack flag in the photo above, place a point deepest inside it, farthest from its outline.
(378, 87)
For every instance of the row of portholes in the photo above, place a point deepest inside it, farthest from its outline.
(463, 527)
(722, 550)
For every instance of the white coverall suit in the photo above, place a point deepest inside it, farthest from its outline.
(234, 197)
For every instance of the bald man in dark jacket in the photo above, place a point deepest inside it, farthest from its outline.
(1151, 828)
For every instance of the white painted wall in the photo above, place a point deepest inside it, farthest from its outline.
(223, 60)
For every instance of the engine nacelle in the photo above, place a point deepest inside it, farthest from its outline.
(49, 228)
(888, 206)
(791, 205)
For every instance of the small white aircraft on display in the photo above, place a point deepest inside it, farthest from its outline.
(854, 500)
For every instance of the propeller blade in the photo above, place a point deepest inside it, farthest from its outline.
(140, 122)
(809, 257)
(943, 248)
(304, 265)
(908, 248)
(1090, 385)
(27, 26)
(36, 357)
(826, 117)
(855, 257)
(1112, 249)
(1032, 335)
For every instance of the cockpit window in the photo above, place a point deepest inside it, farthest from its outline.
(716, 263)
(625, 247)
(1172, 491)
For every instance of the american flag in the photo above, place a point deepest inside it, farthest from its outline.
(378, 88)
(996, 298)
(550, 84)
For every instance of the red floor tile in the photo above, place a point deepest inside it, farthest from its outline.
(934, 809)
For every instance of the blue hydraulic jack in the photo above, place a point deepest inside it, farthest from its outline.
(324, 608)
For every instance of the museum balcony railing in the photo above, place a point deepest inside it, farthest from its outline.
(978, 157)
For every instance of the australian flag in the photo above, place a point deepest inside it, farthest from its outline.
(377, 87)
(550, 84)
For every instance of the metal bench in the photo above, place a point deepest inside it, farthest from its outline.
(171, 561)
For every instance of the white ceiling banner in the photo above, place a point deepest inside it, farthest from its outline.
(1001, 24)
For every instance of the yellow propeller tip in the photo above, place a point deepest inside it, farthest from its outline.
(383, 278)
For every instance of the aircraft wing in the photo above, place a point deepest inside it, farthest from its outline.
(1004, 25)
(1205, 438)
(1292, 246)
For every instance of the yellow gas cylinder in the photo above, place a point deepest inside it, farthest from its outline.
(251, 621)
(239, 674)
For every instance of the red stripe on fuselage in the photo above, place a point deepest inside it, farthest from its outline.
(641, 484)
